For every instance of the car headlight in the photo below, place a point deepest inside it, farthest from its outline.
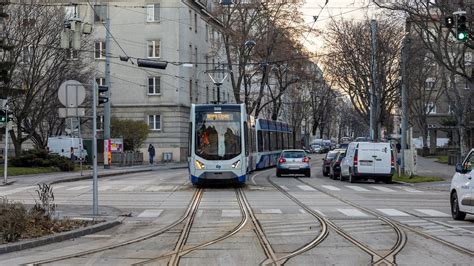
(199, 165)
(236, 164)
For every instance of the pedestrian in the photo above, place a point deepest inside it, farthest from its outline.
(398, 146)
(72, 154)
(151, 153)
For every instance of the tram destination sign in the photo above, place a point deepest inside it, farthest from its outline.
(220, 117)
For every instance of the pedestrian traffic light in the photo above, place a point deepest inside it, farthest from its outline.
(461, 33)
(3, 116)
(151, 63)
(102, 94)
(449, 21)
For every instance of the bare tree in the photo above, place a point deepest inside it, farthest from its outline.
(40, 66)
(348, 64)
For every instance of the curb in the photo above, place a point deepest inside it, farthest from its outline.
(73, 179)
(44, 240)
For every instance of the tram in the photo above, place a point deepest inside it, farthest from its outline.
(225, 144)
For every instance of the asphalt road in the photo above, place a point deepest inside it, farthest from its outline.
(292, 221)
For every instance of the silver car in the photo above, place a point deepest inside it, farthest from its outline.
(293, 162)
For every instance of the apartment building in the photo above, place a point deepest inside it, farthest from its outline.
(181, 32)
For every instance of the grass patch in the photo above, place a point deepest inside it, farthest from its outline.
(442, 159)
(13, 171)
(416, 179)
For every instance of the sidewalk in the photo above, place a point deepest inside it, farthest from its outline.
(430, 168)
(58, 177)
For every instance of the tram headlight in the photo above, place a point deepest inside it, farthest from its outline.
(236, 164)
(199, 165)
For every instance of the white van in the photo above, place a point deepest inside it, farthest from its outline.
(368, 160)
(62, 146)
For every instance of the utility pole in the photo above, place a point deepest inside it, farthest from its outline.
(107, 93)
(373, 108)
(405, 44)
(95, 190)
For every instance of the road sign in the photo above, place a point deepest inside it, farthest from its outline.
(71, 93)
(71, 112)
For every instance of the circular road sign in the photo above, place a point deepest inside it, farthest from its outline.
(71, 93)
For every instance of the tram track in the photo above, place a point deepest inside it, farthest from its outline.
(378, 258)
(192, 204)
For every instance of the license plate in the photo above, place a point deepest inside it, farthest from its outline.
(366, 163)
(294, 168)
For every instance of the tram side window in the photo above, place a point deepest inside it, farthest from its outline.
(253, 146)
(260, 140)
(246, 136)
(266, 147)
(280, 141)
(273, 143)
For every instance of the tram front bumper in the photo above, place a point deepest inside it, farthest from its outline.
(218, 177)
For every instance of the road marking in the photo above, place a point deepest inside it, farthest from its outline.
(284, 188)
(430, 212)
(16, 190)
(306, 188)
(320, 212)
(57, 187)
(129, 188)
(77, 188)
(357, 188)
(271, 211)
(303, 211)
(104, 188)
(331, 188)
(200, 212)
(97, 236)
(407, 189)
(150, 213)
(352, 212)
(384, 189)
(160, 188)
(393, 212)
(230, 213)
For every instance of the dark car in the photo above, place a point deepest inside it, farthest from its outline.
(335, 167)
(293, 162)
(342, 146)
(327, 161)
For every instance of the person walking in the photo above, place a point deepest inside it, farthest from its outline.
(151, 153)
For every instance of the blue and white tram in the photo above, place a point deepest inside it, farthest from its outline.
(272, 138)
(218, 148)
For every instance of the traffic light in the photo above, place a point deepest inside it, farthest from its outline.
(151, 63)
(5, 116)
(449, 21)
(102, 94)
(462, 34)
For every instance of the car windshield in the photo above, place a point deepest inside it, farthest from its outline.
(218, 135)
(331, 155)
(293, 154)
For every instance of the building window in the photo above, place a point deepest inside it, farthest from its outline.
(207, 33)
(154, 85)
(197, 91)
(190, 91)
(195, 23)
(429, 83)
(153, 49)
(27, 54)
(71, 12)
(153, 12)
(99, 50)
(190, 20)
(100, 13)
(431, 108)
(154, 122)
(73, 54)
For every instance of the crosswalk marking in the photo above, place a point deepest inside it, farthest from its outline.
(303, 211)
(352, 212)
(104, 188)
(160, 188)
(331, 188)
(433, 212)
(284, 188)
(231, 213)
(306, 188)
(393, 212)
(15, 190)
(384, 189)
(77, 188)
(150, 213)
(357, 188)
(57, 187)
(128, 188)
(320, 212)
(271, 211)
(407, 189)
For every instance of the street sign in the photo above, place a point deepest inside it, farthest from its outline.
(71, 93)
(71, 112)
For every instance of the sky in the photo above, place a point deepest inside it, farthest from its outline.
(334, 9)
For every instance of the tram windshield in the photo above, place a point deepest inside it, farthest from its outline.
(218, 135)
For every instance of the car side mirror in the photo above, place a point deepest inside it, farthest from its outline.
(460, 168)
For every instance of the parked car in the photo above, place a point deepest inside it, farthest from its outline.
(316, 148)
(327, 161)
(293, 162)
(335, 167)
(462, 188)
(368, 160)
(342, 146)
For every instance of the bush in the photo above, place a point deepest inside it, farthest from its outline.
(13, 220)
(40, 158)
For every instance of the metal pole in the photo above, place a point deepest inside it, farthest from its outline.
(218, 93)
(5, 152)
(373, 29)
(95, 191)
(404, 105)
(107, 93)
